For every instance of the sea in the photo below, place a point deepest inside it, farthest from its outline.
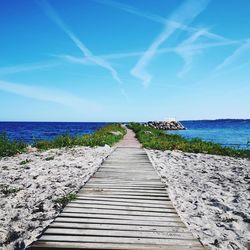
(227, 132)
(34, 131)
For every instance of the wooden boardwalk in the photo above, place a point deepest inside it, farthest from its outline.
(123, 206)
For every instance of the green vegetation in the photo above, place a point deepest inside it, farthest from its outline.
(24, 162)
(228, 220)
(63, 201)
(109, 135)
(159, 139)
(6, 190)
(50, 158)
(8, 147)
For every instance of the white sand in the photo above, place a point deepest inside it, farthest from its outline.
(23, 214)
(211, 194)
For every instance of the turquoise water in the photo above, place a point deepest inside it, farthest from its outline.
(230, 133)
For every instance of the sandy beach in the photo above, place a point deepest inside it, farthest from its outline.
(211, 194)
(29, 184)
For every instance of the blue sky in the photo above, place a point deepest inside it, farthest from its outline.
(126, 60)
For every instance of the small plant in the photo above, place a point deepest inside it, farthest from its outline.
(63, 201)
(25, 162)
(6, 190)
(228, 220)
(50, 158)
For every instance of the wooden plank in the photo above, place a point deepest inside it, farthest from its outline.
(122, 203)
(107, 221)
(125, 183)
(119, 198)
(168, 212)
(124, 192)
(121, 217)
(124, 207)
(126, 189)
(137, 197)
(120, 240)
(101, 226)
(119, 233)
(119, 186)
(104, 246)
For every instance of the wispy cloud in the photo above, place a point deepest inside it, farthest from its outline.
(27, 67)
(132, 10)
(184, 14)
(116, 56)
(50, 12)
(235, 55)
(187, 52)
(51, 95)
(159, 19)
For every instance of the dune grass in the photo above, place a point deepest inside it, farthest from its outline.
(9, 147)
(109, 135)
(159, 139)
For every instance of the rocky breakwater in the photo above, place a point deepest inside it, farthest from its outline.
(165, 125)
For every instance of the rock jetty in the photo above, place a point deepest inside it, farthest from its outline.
(165, 125)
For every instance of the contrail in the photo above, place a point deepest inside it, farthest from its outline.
(27, 67)
(187, 53)
(50, 12)
(184, 14)
(235, 55)
(158, 19)
(116, 56)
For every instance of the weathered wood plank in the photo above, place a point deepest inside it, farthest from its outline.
(137, 197)
(136, 201)
(139, 228)
(48, 245)
(121, 240)
(104, 221)
(124, 207)
(167, 213)
(121, 217)
(119, 233)
(123, 203)
(122, 192)
(119, 186)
